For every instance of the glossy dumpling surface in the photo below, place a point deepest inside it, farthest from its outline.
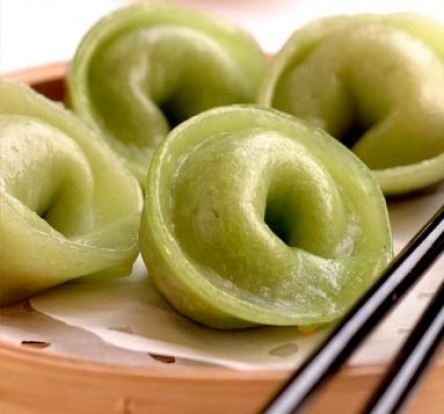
(375, 82)
(147, 67)
(68, 208)
(253, 217)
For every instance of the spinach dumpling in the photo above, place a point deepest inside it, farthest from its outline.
(254, 217)
(68, 207)
(376, 83)
(147, 67)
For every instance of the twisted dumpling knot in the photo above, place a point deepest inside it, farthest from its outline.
(252, 217)
(376, 83)
(147, 67)
(68, 208)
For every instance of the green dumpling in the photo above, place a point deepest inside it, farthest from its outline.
(68, 208)
(147, 67)
(253, 217)
(376, 83)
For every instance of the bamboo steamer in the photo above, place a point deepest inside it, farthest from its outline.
(35, 381)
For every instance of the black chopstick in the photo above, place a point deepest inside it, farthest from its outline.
(400, 276)
(411, 361)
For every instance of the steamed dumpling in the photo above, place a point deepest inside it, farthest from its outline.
(374, 82)
(147, 67)
(253, 217)
(68, 208)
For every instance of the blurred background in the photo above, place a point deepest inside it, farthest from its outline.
(35, 32)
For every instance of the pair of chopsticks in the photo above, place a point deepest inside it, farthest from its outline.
(416, 352)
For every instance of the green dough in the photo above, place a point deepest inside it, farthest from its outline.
(147, 67)
(253, 217)
(68, 208)
(376, 83)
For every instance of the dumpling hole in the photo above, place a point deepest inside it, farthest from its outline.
(280, 216)
(277, 224)
(354, 131)
(172, 113)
